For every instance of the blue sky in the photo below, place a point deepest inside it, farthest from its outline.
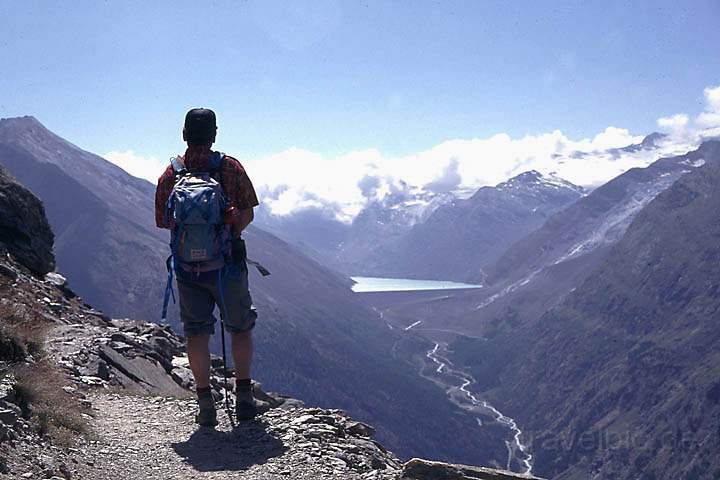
(339, 76)
(336, 77)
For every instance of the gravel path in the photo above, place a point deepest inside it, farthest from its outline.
(156, 438)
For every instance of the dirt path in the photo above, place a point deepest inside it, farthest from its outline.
(156, 438)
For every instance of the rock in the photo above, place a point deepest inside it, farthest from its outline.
(124, 338)
(182, 376)
(92, 381)
(181, 361)
(8, 417)
(95, 367)
(7, 388)
(304, 419)
(65, 471)
(360, 428)
(148, 376)
(97, 317)
(120, 346)
(419, 469)
(216, 361)
(56, 279)
(291, 403)
(24, 229)
(8, 272)
(4, 405)
(165, 347)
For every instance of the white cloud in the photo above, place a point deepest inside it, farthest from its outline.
(710, 118)
(704, 125)
(674, 123)
(310, 179)
(149, 168)
(712, 97)
(298, 178)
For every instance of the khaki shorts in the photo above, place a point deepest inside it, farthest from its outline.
(200, 294)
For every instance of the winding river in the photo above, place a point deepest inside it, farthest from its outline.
(448, 376)
(452, 379)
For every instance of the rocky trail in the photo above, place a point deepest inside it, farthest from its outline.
(132, 382)
(155, 437)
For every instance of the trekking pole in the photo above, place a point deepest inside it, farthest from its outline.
(222, 339)
(225, 377)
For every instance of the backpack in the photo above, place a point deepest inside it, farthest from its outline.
(196, 206)
(200, 238)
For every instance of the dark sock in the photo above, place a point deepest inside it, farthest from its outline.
(243, 384)
(203, 392)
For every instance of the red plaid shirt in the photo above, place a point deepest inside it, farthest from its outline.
(236, 185)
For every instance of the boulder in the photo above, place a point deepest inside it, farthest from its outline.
(8, 416)
(148, 375)
(165, 347)
(182, 376)
(7, 388)
(273, 400)
(8, 272)
(95, 367)
(419, 469)
(360, 428)
(24, 230)
(6, 405)
(56, 279)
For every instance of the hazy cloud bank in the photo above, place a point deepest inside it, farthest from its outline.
(297, 179)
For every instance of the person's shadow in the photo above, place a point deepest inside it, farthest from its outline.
(247, 444)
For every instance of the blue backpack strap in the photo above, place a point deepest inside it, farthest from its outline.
(216, 161)
(168, 289)
(215, 167)
(177, 165)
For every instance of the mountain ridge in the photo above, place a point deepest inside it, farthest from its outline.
(312, 330)
(637, 339)
(540, 269)
(93, 397)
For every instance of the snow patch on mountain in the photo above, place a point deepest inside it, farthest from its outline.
(618, 219)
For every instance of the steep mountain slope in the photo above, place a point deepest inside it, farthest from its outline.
(622, 379)
(597, 220)
(315, 340)
(346, 247)
(86, 397)
(536, 272)
(102, 218)
(460, 238)
(314, 231)
(383, 223)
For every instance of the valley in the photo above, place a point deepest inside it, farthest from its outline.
(435, 366)
(334, 240)
(315, 340)
(552, 304)
(465, 305)
(519, 458)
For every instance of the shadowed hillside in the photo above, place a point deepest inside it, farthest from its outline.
(622, 379)
(315, 340)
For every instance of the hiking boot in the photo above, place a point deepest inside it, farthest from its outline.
(245, 405)
(207, 414)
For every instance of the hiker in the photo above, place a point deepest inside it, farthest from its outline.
(206, 199)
